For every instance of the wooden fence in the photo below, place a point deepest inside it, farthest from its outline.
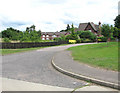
(29, 45)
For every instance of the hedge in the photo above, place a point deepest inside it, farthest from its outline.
(29, 44)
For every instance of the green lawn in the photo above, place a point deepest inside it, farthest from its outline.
(104, 55)
(11, 51)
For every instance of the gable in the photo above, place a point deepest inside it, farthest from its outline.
(89, 27)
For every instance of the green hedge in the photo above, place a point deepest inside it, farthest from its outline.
(101, 39)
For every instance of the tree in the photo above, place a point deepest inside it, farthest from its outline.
(11, 33)
(68, 28)
(106, 30)
(39, 33)
(87, 35)
(116, 33)
(117, 21)
(72, 29)
(27, 29)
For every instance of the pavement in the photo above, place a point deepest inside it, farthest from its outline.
(64, 61)
(19, 85)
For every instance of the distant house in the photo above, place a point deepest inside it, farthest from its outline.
(52, 35)
(90, 26)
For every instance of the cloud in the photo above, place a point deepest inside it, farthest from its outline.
(53, 1)
(54, 15)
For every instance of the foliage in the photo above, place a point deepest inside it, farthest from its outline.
(87, 35)
(30, 35)
(68, 29)
(117, 21)
(6, 40)
(101, 39)
(116, 33)
(11, 33)
(62, 38)
(72, 41)
(106, 30)
(78, 40)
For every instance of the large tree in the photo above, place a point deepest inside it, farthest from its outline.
(106, 30)
(117, 21)
(116, 33)
(68, 27)
(11, 33)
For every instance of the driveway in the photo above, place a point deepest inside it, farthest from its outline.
(35, 66)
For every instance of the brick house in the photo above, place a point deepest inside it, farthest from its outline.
(52, 35)
(90, 26)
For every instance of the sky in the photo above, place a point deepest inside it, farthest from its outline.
(54, 15)
(119, 8)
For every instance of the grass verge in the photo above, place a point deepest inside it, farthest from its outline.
(104, 55)
(11, 51)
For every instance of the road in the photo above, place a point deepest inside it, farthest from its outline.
(35, 66)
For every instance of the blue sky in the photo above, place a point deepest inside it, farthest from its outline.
(54, 15)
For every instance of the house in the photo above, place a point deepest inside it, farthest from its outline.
(90, 26)
(52, 35)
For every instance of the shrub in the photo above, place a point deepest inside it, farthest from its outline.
(72, 41)
(101, 39)
(87, 35)
(6, 40)
(112, 38)
(78, 40)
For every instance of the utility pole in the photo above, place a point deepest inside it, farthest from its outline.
(119, 8)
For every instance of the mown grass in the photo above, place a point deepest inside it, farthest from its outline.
(104, 55)
(11, 51)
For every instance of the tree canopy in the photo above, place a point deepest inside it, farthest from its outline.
(117, 21)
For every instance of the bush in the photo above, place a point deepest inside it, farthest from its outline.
(87, 35)
(71, 37)
(83, 40)
(78, 40)
(112, 38)
(101, 39)
(6, 40)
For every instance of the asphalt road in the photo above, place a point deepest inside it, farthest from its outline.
(35, 66)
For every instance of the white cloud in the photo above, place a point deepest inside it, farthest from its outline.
(54, 15)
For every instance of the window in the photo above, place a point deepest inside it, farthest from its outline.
(47, 36)
(43, 38)
(54, 36)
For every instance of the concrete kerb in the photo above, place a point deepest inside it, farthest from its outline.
(85, 78)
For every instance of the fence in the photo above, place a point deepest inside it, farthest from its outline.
(29, 45)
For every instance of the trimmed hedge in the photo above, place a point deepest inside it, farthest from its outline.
(101, 39)
(29, 44)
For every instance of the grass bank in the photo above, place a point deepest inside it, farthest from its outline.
(104, 55)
